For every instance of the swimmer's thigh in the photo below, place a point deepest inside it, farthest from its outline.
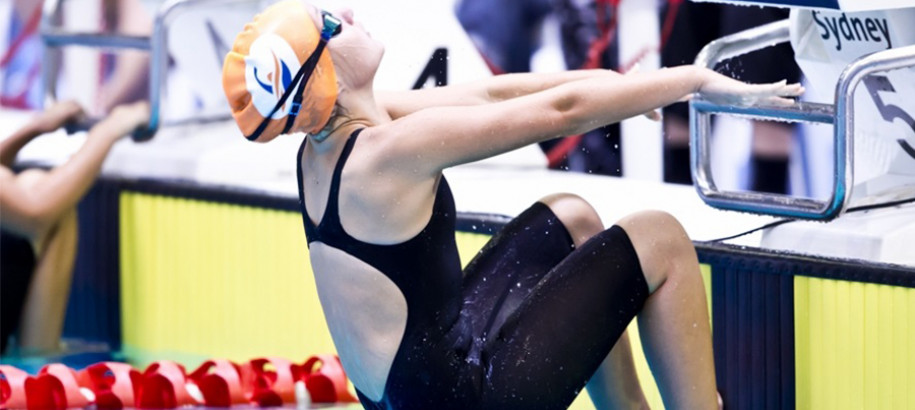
(511, 264)
(552, 344)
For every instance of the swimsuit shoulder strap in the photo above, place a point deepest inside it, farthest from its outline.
(334, 194)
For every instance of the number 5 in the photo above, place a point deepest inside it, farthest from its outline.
(889, 112)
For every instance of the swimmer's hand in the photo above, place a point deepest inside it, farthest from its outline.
(57, 115)
(723, 90)
(127, 118)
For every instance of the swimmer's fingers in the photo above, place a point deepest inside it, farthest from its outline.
(778, 94)
(779, 89)
(777, 101)
(129, 117)
(725, 90)
(59, 114)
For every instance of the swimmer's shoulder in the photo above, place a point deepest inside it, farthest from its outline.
(384, 149)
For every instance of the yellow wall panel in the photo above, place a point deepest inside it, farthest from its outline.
(469, 244)
(802, 373)
(854, 345)
(202, 280)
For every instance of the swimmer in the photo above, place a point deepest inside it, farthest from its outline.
(534, 315)
(38, 229)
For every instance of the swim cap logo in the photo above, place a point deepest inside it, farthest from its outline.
(269, 69)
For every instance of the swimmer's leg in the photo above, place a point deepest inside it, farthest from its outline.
(501, 276)
(674, 322)
(45, 306)
(615, 384)
(505, 271)
(557, 339)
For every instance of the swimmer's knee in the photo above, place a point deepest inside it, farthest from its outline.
(661, 228)
(576, 214)
(661, 243)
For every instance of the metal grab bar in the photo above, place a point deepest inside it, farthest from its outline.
(60, 38)
(841, 114)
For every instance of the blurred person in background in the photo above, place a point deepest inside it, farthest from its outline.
(38, 223)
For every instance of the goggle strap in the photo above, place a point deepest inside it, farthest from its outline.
(308, 67)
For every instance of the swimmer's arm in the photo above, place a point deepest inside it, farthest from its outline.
(32, 208)
(48, 121)
(493, 89)
(437, 138)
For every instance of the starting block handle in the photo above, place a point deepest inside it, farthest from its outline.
(700, 113)
(841, 115)
(849, 80)
(700, 135)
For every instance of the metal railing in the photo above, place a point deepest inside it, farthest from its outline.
(840, 114)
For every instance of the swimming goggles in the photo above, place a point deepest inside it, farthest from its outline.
(332, 27)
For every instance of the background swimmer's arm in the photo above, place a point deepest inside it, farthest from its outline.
(433, 139)
(48, 121)
(489, 90)
(33, 208)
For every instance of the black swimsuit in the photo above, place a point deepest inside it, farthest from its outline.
(525, 325)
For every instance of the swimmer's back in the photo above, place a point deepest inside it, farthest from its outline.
(378, 298)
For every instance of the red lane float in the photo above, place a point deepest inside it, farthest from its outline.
(327, 382)
(112, 383)
(267, 382)
(163, 386)
(220, 383)
(12, 387)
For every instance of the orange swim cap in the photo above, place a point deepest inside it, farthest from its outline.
(263, 64)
